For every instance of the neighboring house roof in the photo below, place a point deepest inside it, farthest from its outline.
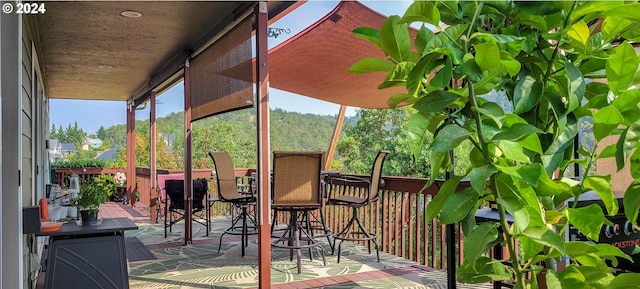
(54, 143)
(94, 142)
(107, 155)
(68, 147)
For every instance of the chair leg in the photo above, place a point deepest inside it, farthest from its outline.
(273, 221)
(326, 230)
(244, 236)
(345, 232)
(307, 219)
(165, 221)
(234, 221)
(369, 236)
(355, 227)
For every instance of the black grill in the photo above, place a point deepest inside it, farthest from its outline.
(621, 234)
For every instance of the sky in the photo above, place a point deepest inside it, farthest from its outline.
(90, 115)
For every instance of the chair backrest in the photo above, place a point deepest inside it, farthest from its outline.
(175, 193)
(163, 178)
(376, 175)
(225, 176)
(296, 178)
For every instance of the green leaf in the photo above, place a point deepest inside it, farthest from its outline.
(480, 175)
(553, 217)
(535, 8)
(370, 34)
(479, 240)
(442, 78)
(576, 86)
(513, 66)
(530, 248)
(494, 38)
(535, 21)
(449, 138)
(626, 143)
(420, 72)
(438, 161)
(609, 251)
(621, 67)
(549, 187)
(417, 131)
(605, 120)
(458, 205)
(517, 132)
(398, 98)
(593, 8)
(580, 32)
(627, 100)
(493, 111)
(397, 76)
(620, 153)
(470, 68)
(588, 220)
(571, 277)
(631, 202)
(490, 80)
(530, 174)
(532, 143)
(575, 249)
(422, 12)
(435, 101)
(561, 142)
(602, 186)
(628, 11)
(513, 151)
(394, 38)
(424, 36)
(447, 189)
(634, 162)
(595, 276)
(516, 207)
(482, 271)
(526, 94)
(612, 26)
(625, 281)
(367, 65)
(544, 236)
(487, 55)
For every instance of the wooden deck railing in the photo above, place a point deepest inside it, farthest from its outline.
(398, 217)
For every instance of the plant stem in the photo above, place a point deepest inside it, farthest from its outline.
(517, 268)
(473, 21)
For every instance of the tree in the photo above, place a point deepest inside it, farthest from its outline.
(74, 135)
(102, 133)
(540, 56)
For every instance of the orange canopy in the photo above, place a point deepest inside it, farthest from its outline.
(314, 62)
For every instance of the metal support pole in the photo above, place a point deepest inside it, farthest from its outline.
(188, 173)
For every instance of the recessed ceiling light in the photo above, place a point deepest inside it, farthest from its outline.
(130, 14)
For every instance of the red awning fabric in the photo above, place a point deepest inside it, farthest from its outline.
(314, 62)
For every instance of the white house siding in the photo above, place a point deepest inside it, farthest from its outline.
(11, 74)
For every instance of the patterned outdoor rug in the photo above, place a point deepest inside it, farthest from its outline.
(201, 266)
(136, 250)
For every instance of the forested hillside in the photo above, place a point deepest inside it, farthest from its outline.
(234, 132)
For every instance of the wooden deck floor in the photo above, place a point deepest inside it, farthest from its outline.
(198, 265)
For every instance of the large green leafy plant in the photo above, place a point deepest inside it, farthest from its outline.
(543, 56)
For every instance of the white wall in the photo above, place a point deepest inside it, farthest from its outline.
(11, 246)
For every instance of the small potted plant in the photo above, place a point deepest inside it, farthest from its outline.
(92, 194)
(121, 180)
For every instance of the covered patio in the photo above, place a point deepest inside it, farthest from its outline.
(113, 57)
(199, 265)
